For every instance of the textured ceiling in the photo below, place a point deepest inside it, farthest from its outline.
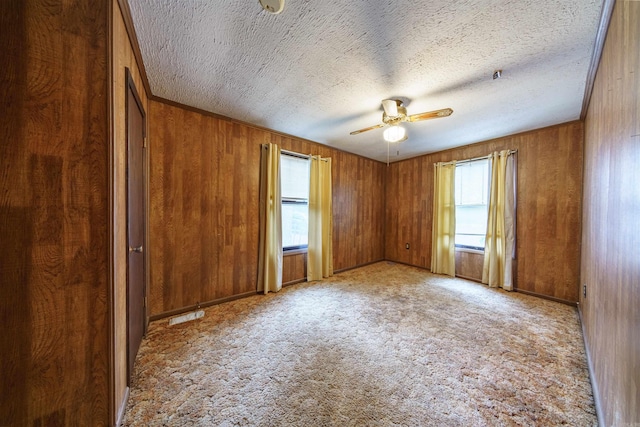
(319, 70)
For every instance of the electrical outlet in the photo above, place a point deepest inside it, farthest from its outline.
(584, 290)
(406, 246)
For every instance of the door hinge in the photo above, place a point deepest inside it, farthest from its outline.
(144, 142)
(145, 301)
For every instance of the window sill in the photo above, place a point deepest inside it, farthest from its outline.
(294, 252)
(471, 251)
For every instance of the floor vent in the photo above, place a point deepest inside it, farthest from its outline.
(186, 317)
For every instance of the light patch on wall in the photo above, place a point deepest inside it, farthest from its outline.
(186, 317)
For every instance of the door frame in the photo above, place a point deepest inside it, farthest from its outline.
(130, 86)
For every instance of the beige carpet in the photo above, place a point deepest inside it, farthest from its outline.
(382, 345)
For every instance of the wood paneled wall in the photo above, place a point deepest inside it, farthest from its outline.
(469, 265)
(204, 206)
(123, 57)
(294, 268)
(548, 207)
(611, 223)
(54, 213)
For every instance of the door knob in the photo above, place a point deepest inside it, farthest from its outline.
(138, 249)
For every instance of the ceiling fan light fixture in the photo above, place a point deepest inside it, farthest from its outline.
(395, 134)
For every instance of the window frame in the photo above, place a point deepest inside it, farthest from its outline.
(290, 250)
(469, 248)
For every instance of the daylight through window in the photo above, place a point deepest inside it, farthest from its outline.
(472, 197)
(294, 181)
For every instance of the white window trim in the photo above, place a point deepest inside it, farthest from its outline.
(464, 248)
(293, 250)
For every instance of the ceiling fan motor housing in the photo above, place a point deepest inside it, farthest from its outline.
(394, 120)
(395, 113)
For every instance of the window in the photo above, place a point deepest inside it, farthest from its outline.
(472, 197)
(294, 182)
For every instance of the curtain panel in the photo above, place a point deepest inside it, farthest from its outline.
(500, 241)
(270, 239)
(320, 245)
(443, 254)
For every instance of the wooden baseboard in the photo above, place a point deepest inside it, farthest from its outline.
(235, 297)
(473, 279)
(123, 406)
(342, 270)
(201, 305)
(406, 263)
(592, 376)
(534, 294)
(293, 282)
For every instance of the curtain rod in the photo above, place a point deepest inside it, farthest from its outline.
(472, 160)
(294, 154)
(302, 156)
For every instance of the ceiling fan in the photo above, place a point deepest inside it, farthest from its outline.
(395, 113)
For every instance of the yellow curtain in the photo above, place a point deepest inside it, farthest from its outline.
(270, 245)
(443, 255)
(320, 252)
(500, 240)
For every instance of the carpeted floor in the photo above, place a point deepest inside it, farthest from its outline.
(382, 345)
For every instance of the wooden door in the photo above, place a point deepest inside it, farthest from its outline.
(136, 288)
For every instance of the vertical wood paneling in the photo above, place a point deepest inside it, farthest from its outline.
(294, 268)
(469, 265)
(16, 229)
(548, 211)
(204, 207)
(53, 213)
(611, 222)
(16, 223)
(123, 57)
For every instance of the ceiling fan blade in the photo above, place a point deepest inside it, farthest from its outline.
(445, 112)
(355, 132)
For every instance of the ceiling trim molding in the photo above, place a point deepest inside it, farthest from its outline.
(486, 141)
(601, 36)
(251, 125)
(133, 39)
